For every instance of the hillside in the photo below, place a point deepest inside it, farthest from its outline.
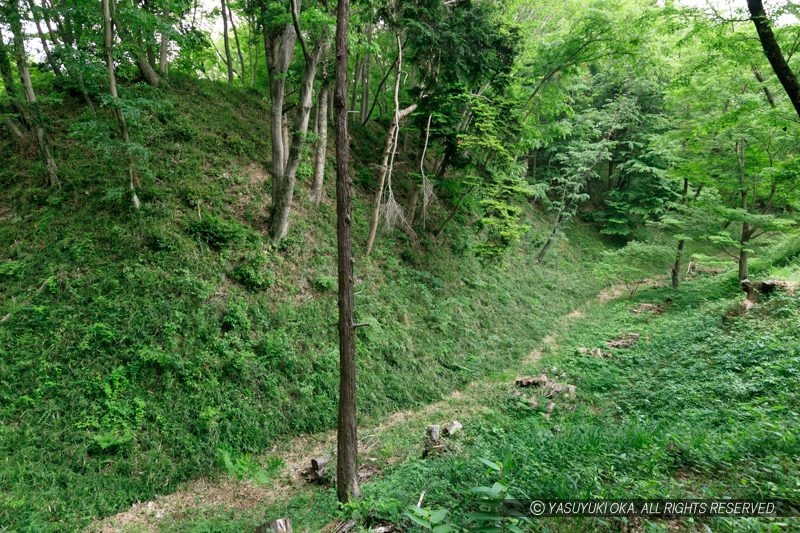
(142, 348)
(575, 230)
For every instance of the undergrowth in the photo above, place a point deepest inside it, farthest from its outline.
(143, 348)
(703, 405)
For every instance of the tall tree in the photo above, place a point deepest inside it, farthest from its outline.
(13, 17)
(17, 124)
(321, 130)
(773, 52)
(226, 40)
(286, 159)
(347, 431)
(108, 40)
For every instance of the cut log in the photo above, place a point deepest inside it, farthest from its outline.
(768, 286)
(317, 472)
(555, 389)
(625, 341)
(432, 443)
(453, 427)
(750, 289)
(281, 525)
(527, 381)
(319, 463)
(594, 352)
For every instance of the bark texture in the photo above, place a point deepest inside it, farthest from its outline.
(322, 143)
(773, 52)
(25, 75)
(347, 439)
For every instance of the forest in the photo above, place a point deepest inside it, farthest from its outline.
(371, 265)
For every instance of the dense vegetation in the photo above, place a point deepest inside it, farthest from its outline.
(167, 243)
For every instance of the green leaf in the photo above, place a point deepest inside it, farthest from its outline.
(417, 520)
(438, 515)
(497, 467)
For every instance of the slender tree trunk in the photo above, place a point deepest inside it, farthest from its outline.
(238, 46)
(376, 99)
(347, 430)
(773, 52)
(143, 63)
(25, 74)
(356, 79)
(365, 89)
(51, 60)
(676, 267)
(108, 41)
(365, 79)
(285, 135)
(322, 142)
(10, 85)
(389, 150)
(426, 187)
(550, 239)
(279, 50)
(163, 48)
(767, 92)
(282, 202)
(228, 61)
(71, 66)
(745, 236)
(14, 128)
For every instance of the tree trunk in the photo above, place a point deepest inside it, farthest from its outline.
(282, 201)
(163, 48)
(365, 78)
(108, 42)
(347, 436)
(279, 49)
(322, 142)
(45, 47)
(385, 170)
(25, 75)
(238, 46)
(14, 128)
(745, 237)
(146, 69)
(356, 79)
(228, 60)
(8, 82)
(773, 52)
(140, 56)
(676, 267)
(388, 151)
(550, 239)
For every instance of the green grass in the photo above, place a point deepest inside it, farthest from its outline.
(144, 347)
(705, 405)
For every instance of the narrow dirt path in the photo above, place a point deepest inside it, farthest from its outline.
(230, 494)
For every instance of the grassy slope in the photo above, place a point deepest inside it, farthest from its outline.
(145, 348)
(705, 405)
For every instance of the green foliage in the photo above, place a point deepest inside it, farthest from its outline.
(429, 519)
(632, 264)
(699, 405)
(159, 338)
(244, 466)
(217, 232)
(253, 272)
